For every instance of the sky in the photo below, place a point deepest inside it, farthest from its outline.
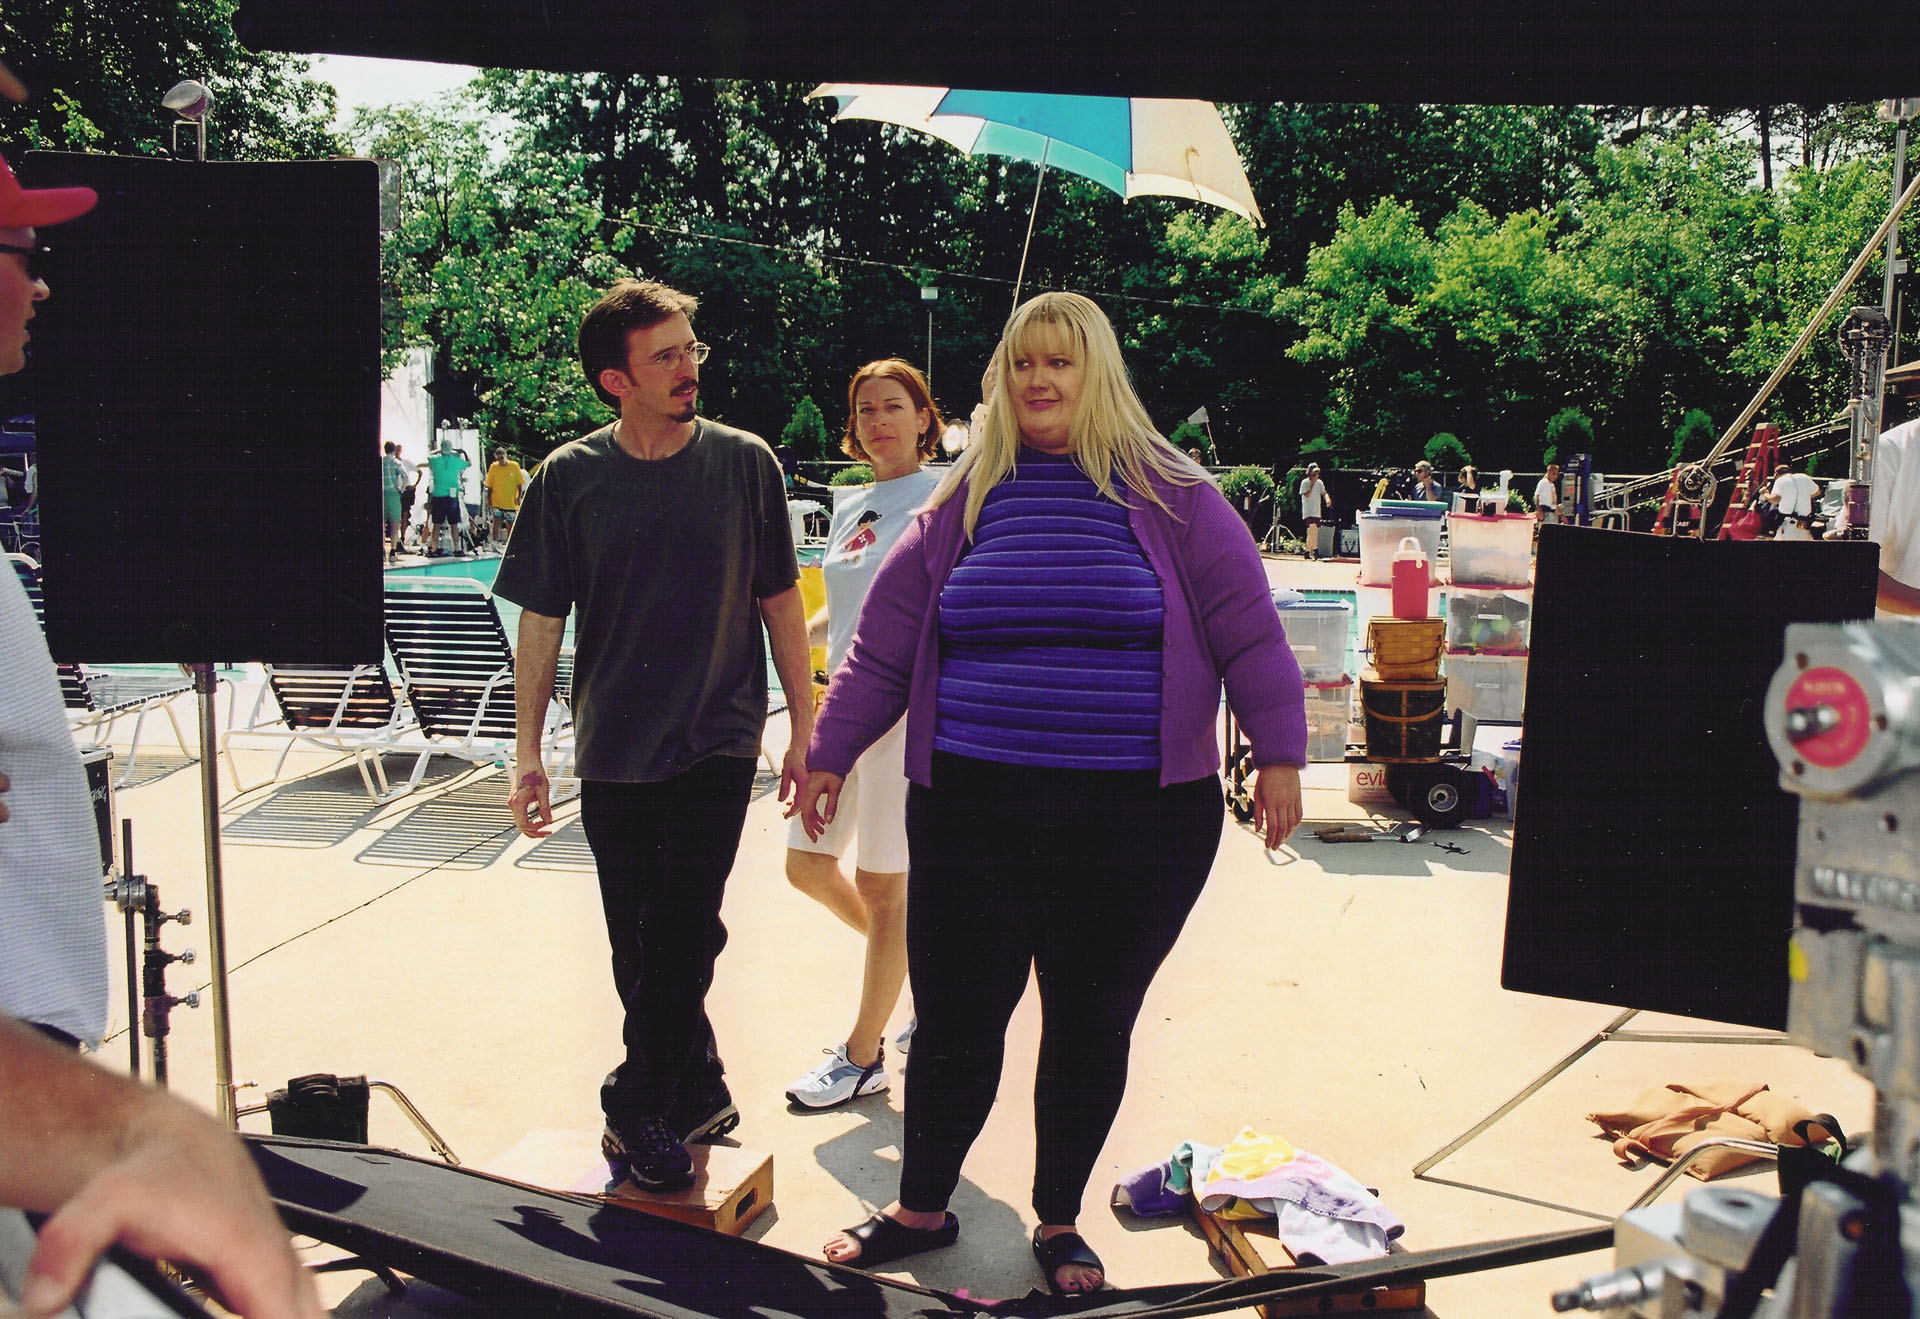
(361, 81)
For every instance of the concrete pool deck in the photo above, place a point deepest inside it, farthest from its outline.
(1346, 997)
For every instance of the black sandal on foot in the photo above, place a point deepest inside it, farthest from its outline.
(1056, 1252)
(883, 1240)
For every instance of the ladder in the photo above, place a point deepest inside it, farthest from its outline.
(1762, 452)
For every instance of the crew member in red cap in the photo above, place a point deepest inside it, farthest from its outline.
(108, 1158)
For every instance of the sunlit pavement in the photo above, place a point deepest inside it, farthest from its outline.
(1345, 996)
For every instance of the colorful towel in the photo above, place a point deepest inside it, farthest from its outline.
(1322, 1214)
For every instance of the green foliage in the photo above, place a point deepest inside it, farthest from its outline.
(1694, 437)
(1567, 429)
(1243, 481)
(495, 261)
(852, 474)
(806, 432)
(1188, 437)
(1446, 453)
(98, 69)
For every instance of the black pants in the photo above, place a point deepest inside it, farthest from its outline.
(663, 851)
(1084, 876)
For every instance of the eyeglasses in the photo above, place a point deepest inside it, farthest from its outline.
(666, 361)
(37, 254)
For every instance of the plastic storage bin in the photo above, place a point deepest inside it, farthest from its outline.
(1403, 719)
(1405, 649)
(1318, 630)
(1491, 550)
(1329, 714)
(1489, 620)
(1380, 535)
(1488, 686)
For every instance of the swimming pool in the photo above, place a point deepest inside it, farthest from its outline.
(484, 570)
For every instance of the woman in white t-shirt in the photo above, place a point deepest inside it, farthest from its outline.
(894, 425)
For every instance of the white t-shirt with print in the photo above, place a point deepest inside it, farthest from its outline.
(867, 520)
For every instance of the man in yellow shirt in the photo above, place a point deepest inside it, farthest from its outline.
(505, 480)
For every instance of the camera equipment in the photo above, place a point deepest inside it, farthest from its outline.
(1843, 720)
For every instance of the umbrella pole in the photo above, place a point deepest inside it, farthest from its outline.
(1032, 211)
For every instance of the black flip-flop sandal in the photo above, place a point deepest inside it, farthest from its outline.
(1055, 1252)
(883, 1240)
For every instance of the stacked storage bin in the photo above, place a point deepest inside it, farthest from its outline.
(1384, 526)
(1317, 632)
(1489, 615)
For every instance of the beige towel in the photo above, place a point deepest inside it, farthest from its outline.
(1669, 1120)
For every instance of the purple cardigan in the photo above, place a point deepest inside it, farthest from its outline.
(1220, 624)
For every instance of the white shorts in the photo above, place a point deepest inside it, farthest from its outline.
(873, 805)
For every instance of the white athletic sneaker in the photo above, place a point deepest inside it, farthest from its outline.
(839, 1080)
(904, 1040)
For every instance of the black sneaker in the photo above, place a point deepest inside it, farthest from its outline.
(646, 1149)
(701, 1113)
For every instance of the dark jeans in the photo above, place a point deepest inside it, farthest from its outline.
(663, 851)
(1084, 876)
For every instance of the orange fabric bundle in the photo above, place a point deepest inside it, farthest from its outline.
(1669, 1120)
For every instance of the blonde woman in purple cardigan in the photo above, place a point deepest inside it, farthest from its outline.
(1055, 626)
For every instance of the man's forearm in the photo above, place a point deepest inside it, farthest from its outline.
(1896, 597)
(65, 1118)
(536, 659)
(786, 620)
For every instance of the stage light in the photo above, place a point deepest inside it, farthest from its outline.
(192, 104)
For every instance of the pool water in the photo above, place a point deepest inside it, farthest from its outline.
(1363, 604)
(484, 570)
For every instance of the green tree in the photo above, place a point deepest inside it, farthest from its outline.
(1567, 429)
(1446, 453)
(1694, 437)
(497, 257)
(1362, 305)
(98, 68)
(806, 432)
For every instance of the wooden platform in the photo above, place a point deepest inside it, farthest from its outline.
(731, 1186)
(1250, 1248)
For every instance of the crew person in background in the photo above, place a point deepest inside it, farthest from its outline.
(1424, 486)
(1313, 506)
(505, 481)
(1793, 494)
(395, 477)
(1546, 497)
(669, 536)
(443, 496)
(110, 1159)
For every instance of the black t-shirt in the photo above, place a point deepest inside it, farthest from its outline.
(666, 562)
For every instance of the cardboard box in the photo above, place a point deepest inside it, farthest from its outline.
(1367, 784)
(731, 1186)
(1249, 1249)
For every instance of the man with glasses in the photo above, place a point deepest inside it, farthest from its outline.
(667, 535)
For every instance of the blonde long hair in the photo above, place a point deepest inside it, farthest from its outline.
(1110, 429)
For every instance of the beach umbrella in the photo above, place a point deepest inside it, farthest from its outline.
(1135, 146)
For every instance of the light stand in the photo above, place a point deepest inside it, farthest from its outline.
(929, 294)
(191, 104)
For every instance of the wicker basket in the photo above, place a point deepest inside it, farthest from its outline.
(1406, 649)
